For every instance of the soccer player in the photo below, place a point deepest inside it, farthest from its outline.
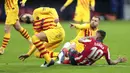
(85, 30)
(12, 19)
(82, 13)
(48, 34)
(94, 50)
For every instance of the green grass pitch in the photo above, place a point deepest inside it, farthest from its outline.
(118, 39)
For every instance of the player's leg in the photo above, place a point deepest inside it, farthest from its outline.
(86, 16)
(77, 18)
(63, 52)
(23, 32)
(19, 28)
(9, 21)
(5, 39)
(51, 47)
(38, 40)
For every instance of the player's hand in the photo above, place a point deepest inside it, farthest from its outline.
(92, 8)
(23, 57)
(72, 25)
(22, 4)
(62, 8)
(122, 59)
(56, 20)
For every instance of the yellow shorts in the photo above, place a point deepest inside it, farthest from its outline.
(82, 15)
(55, 38)
(12, 16)
(54, 35)
(79, 46)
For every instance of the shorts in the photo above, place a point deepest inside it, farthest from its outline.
(12, 16)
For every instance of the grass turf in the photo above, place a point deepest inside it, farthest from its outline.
(118, 37)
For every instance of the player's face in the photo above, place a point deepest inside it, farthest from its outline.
(94, 22)
(98, 36)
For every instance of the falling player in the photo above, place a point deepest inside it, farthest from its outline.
(12, 19)
(82, 12)
(48, 34)
(85, 30)
(93, 51)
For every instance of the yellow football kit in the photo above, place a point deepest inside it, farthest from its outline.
(85, 30)
(12, 11)
(82, 12)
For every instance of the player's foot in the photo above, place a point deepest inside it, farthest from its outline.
(1, 50)
(58, 62)
(48, 65)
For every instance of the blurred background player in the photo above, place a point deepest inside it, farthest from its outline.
(85, 30)
(12, 19)
(94, 49)
(48, 34)
(82, 12)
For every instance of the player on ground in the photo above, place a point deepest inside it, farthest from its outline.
(94, 50)
(82, 12)
(85, 30)
(12, 19)
(48, 34)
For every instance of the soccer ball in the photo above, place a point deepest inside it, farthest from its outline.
(27, 18)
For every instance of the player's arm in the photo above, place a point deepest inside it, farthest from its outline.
(29, 53)
(68, 2)
(92, 5)
(114, 62)
(84, 39)
(23, 3)
(78, 26)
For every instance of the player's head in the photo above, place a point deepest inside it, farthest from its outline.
(94, 22)
(100, 35)
(27, 18)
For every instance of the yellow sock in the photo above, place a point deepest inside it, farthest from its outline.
(5, 40)
(41, 47)
(25, 34)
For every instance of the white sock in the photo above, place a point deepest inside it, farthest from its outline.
(61, 56)
(67, 45)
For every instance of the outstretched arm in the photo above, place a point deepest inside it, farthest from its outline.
(24, 56)
(78, 26)
(114, 62)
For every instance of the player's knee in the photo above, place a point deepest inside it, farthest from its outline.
(42, 36)
(17, 27)
(7, 29)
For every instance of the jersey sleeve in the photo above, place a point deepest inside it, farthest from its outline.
(68, 2)
(92, 2)
(83, 26)
(107, 56)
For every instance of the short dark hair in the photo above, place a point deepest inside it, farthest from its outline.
(28, 20)
(97, 17)
(102, 33)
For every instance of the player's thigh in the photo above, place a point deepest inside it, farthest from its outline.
(77, 16)
(11, 17)
(54, 35)
(86, 16)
